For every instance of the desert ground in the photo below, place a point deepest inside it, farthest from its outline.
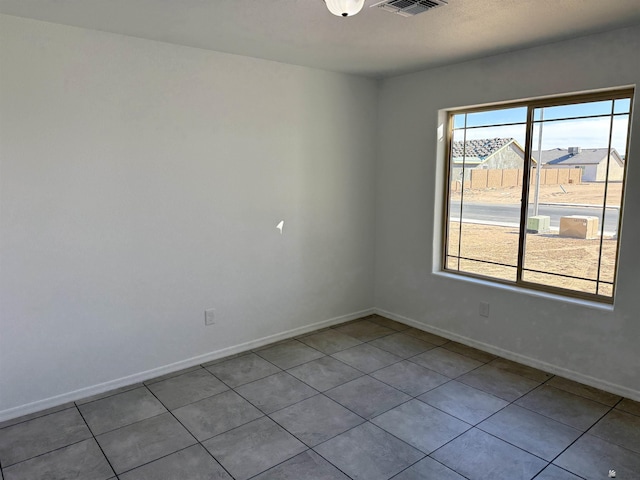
(549, 253)
(584, 193)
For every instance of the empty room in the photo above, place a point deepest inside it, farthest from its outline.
(319, 239)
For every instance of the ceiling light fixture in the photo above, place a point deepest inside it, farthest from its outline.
(344, 8)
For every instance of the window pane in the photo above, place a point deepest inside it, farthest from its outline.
(584, 133)
(497, 117)
(458, 177)
(488, 270)
(605, 289)
(584, 286)
(490, 135)
(622, 105)
(613, 200)
(452, 263)
(619, 134)
(489, 250)
(563, 256)
(458, 120)
(574, 110)
(564, 220)
(484, 200)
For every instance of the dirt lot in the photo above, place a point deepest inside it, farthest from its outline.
(587, 193)
(547, 253)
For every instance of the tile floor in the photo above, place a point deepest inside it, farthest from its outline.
(370, 399)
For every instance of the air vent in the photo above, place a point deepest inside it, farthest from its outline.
(409, 8)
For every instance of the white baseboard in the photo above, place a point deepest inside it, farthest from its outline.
(57, 400)
(516, 357)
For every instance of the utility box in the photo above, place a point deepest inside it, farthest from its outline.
(538, 224)
(579, 226)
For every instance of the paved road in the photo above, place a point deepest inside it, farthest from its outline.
(511, 213)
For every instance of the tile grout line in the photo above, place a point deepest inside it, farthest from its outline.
(564, 450)
(170, 376)
(549, 462)
(620, 398)
(108, 394)
(331, 355)
(46, 453)
(368, 420)
(96, 440)
(361, 424)
(259, 379)
(230, 388)
(128, 424)
(476, 426)
(246, 383)
(364, 374)
(159, 458)
(189, 431)
(555, 420)
(580, 477)
(55, 449)
(195, 368)
(268, 415)
(291, 340)
(497, 438)
(434, 460)
(134, 386)
(611, 408)
(472, 426)
(285, 461)
(319, 393)
(393, 331)
(264, 415)
(167, 410)
(37, 417)
(365, 420)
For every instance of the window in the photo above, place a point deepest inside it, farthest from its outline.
(534, 192)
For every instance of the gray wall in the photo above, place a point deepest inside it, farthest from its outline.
(142, 182)
(595, 345)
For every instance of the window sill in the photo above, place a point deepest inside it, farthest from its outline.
(525, 291)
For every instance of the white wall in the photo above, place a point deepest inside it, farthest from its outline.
(597, 346)
(142, 182)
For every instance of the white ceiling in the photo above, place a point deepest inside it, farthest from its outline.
(373, 43)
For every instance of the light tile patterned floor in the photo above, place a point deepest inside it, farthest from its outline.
(371, 399)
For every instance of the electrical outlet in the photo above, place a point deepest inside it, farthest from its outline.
(484, 309)
(210, 316)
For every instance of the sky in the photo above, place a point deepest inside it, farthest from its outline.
(592, 132)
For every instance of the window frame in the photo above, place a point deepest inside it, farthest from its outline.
(532, 104)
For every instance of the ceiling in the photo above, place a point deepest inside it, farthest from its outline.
(373, 43)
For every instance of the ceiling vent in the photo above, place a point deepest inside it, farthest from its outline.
(409, 8)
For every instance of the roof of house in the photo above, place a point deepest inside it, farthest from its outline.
(587, 156)
(480, 149)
